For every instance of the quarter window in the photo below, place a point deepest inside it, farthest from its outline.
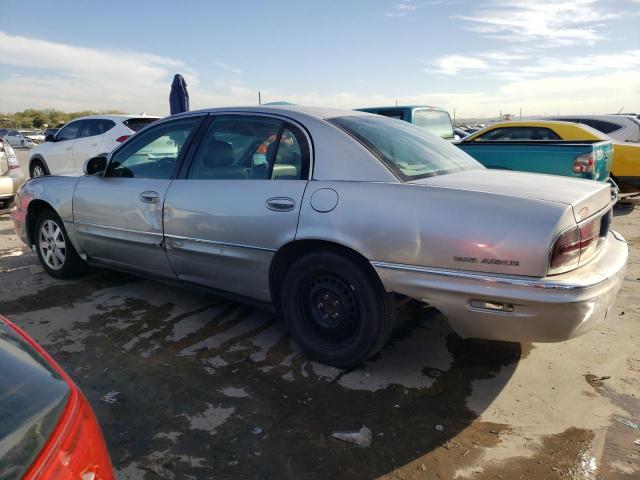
(291, 161)
(155, 153)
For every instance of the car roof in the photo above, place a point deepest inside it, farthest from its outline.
(404, 107)
(291, 110)
(112, 117)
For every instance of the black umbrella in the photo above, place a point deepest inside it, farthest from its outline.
(179, 96)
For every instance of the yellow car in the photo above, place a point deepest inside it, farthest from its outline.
(625, 170)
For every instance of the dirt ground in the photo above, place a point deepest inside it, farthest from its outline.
(189, 385)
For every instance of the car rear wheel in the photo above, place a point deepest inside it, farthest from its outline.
(337, 311)
(55, 251)
(37, 169)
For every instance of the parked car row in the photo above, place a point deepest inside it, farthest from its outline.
(15, 138)
(331, 217)
(65, 151)
(556, 147)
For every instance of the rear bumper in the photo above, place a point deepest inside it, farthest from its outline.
(550, 309)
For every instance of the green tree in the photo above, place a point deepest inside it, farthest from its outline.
(38, 121)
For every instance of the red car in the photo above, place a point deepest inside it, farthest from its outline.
(47, 428)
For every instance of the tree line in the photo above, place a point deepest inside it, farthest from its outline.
(47, 117)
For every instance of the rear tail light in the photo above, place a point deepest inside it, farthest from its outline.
(577, 244)
(12, 160)
(76, 449)
(584, 163)
(122, 138)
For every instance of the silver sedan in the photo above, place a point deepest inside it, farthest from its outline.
(331, 217)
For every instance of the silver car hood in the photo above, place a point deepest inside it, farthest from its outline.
(586, 197)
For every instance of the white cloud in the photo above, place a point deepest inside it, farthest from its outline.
(453, 64)
(549, 23)
(510, 66)
(77, 78)
(80, 78)
(229, 68)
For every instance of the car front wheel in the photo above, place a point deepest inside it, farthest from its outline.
(55, 251)
(336, 309)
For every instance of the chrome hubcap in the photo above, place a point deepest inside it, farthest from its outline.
(37, 171)
(52, 245)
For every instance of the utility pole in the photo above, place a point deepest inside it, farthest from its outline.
(259, 98)
(454, 115)
(396, 102)
(521, 113)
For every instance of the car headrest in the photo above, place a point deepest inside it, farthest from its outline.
(219, 154)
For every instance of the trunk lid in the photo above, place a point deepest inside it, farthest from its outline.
(586, 197)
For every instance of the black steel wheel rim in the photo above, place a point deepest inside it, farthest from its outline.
(331, 309)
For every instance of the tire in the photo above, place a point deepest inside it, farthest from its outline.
(336, 310)
(55, 251)
(37, 169)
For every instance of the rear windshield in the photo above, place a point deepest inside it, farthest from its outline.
(434, 121)
(32, 398)
(408, 151)
(137, 124)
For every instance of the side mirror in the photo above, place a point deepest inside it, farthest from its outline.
(95, 165)
(50, 138)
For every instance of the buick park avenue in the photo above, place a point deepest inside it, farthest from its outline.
(331, 217)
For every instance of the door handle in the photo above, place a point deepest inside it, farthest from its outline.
(280, 204)
(149, 197)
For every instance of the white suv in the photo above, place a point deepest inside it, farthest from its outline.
(86, 137)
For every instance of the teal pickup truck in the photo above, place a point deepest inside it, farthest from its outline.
(435, 120)
(537, 146)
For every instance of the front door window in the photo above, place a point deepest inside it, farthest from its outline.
(155, 153)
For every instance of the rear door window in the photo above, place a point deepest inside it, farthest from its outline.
(91, 128)
(107, 125)
(237, 147)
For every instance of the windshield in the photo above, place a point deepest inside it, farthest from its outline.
(409, 151)
(434, 121)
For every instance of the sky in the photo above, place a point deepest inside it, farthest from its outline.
(477, 57)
